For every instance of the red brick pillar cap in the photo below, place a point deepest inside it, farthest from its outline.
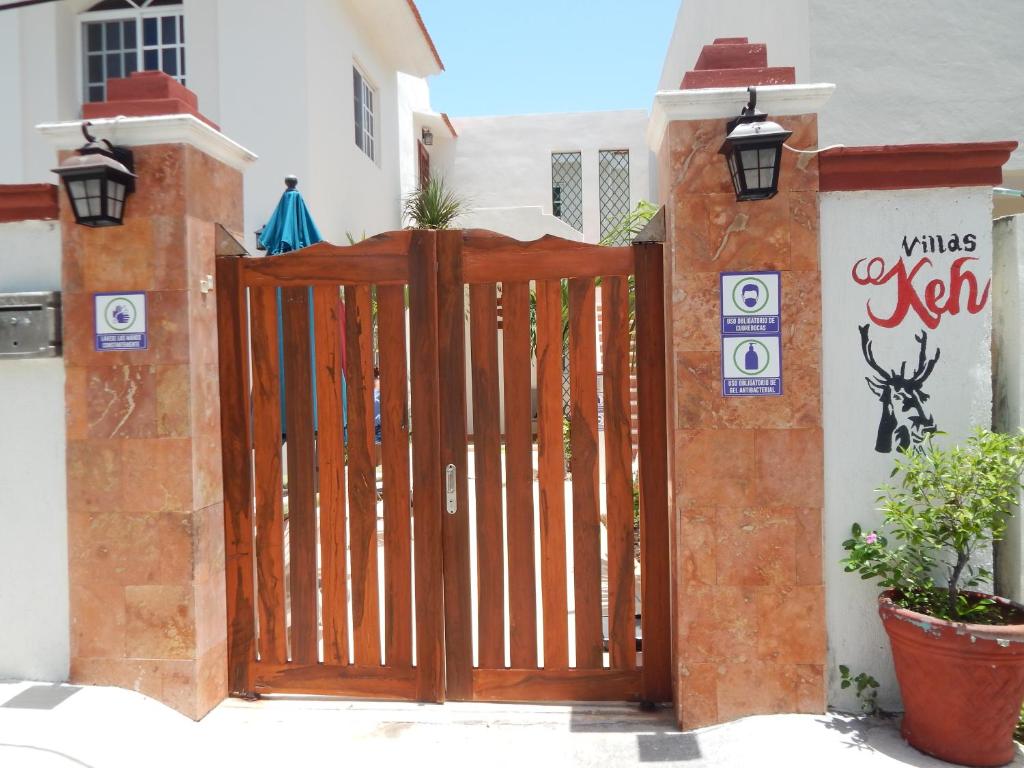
(144, 94)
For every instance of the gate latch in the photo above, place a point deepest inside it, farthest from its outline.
(449, 487)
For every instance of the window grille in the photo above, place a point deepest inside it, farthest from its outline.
(567, 188)
(613, 192)
(364, 100)
(123, 36)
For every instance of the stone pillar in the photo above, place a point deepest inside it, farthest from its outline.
(746, 472)
(145, 516)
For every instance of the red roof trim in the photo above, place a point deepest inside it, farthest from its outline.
(444, 116)
(426, 34)
(26, 202)
(913, 166)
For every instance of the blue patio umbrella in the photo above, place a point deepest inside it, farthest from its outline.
(290, 228)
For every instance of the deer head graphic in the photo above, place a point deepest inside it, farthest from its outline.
(904, 419)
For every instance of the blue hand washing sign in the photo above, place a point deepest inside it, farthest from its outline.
(120, 321)
(751, 328)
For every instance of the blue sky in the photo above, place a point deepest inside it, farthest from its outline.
(523, 56)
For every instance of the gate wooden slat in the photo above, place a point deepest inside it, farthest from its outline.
(483, 332)
(618, 473)
(458, 618)
(331, 461)
(362, 482)
(428, 504)
(551, 474)
(395, 460)
(653, 450)
(586, 521)
(302, 543)
(330, 679)
(266, 402)
(233, 344)
(556, 685)
(522, 590)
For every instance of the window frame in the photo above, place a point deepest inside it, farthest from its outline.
(125, 14)
(367, 84)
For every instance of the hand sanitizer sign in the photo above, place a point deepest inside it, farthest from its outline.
(751, 334)
(120, 321)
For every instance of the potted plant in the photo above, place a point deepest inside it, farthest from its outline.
(958, 651)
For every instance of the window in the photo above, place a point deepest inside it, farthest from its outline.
(365, 97)
(123, 36)
(613, 191)
(567, 188)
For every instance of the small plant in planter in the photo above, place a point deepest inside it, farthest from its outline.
(958, 652)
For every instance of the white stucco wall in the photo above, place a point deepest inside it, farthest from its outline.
(33, 500)
(506, 161)
(959, 387)
(1008, 378)
(951, 69)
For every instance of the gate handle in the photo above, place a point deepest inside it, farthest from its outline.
(449, 483)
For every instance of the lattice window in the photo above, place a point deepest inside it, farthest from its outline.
(123, 36)
(567, 188)
(613, 191)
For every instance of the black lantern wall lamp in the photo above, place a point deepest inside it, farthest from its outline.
(427, 136)
(98, 180)
(753, 150)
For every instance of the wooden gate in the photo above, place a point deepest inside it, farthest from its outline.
(508, 580)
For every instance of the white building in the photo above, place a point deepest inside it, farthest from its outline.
(907, 73)
(311, 87)
(573, 174)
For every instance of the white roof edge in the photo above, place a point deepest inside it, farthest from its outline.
(157, 129)
(713, 103)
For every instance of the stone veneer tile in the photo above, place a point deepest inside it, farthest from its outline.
(98, 617)
(799, 171)
(810, 688)
(210, 614)
(121, 401)
(791, 624)
(755, 688)
(212, 680)
(803, 231)
(695, 165)
(121, 548)
(94, 474)
(697, 547)
(698, 695)
(747, 236)
(157, 474)
(700, 404)
(161, 189)
(160, 622)
(208, 542)
(173, 401)
(215, 190)
(808, 548)
(696, 312)
(718, 624)
(716, 467)
(755, 547)
(791, 467)
(76, 406)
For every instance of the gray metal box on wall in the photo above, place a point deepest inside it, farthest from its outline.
(29, 325)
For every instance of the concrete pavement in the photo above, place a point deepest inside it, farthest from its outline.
(60, 726)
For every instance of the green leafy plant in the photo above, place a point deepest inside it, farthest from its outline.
(1018, 732)
(433, 205)
(946, 504)
(631, 225)
(865, 686)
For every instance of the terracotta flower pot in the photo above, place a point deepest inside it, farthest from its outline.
(962, 684)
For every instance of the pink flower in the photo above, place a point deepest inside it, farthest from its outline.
(871, 538)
